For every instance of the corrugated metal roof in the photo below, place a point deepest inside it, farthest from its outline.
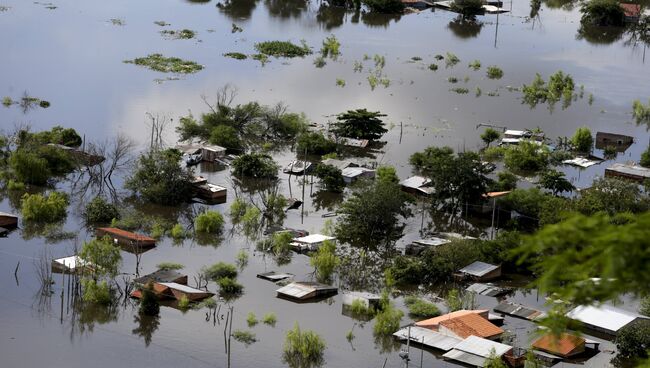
(478, 269)
(183, 288)
(340, 164)
(314, 238)
(435, 321)
(482, 347)
(471, 325)
(630, 170)
(159, 276)
(300, 290)
(519, 310)
(464, 357)
(126, 234)
(433, 241)
(353, 172)
(605, 317)
(487, 289)
(565, 344)
(415, 182)
(427, 337)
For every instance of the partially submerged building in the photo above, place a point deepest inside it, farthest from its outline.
(211, 192)
(418, 185)
(463, 323)
(418, 246)
(162, 276)
(474, 351)
(427, 337)
(369, 300)
(8, 221)
(310, 242)
(519, 310)
(480, 271)
(352, 174)
(628, 171)
(208, 152)
(130, 240)
(488, 289)
(605, 318)
(564, 345)
(305, 291)
(339, 164)
(619, 141)
(274, 276)
(172, 290)
(70, 264)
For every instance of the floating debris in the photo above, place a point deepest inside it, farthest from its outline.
(236, 55)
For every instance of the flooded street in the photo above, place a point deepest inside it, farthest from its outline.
(71, 54)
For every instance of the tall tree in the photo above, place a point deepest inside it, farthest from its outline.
(359, 124)
(555, 181)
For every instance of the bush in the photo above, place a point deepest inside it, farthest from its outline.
(490, 135)
(210, 222)
(315, 143)
(245, 337)
(331, 178)
(641, 112)
(98, 211)
(237, 210)
(633, 340)
(159, 178)
(494, 72)
(103, 255)
(251, 319)
(505, 181)
(183, 303)
(494, 153)
(303, 348)
(149, 303)
(169, 266)
(467, 7)
(270, 319)
(359, 309)
(16, 186)
(325, 261)
(384, 6)
(387, 174)
(220, 270)
(602, 13)
(29, 168)
(228, 286)
(177, 232)
(48, 209)
(98, 293)
(282, 49)
(582, 140)
(241, 258)
(419, 308)
(387, 320)
(406, 270)
(255, 165)
(225, 136)
(57, 135)
(359, 124)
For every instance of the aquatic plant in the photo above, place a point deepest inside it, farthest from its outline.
(451, 60)
(476, 64)
(419, 308)
(460, 90)
(494, 72)
(283, 49)
(229, 287)
(236, 55)
(251, 319)
(117, 22)
(96, 292)
(270, 319)
(319, 62)
(340, 82)
(177, 232)
(438, 57)
(303, 348)
(433, 67)
(416, 58)
(380, 61)
(350, 336)
(237, 210)
(263, 59)
(325, 261)
(47, 209)
(357, 67)
(160, 63)
(183, 303)
(255, 165)
(559, 87)
(167, 266)
(452, 80)
(331, 47)
(235, 28)
(183, 34)
(99, 211)
(161, 23)
(210, 222)
(387, 321)
(149, 305)
(582, 140)
(245, 337)
(7, 101)
(372, 81)
(241, 258)
(478, 91)
(641, 112)
(251, 221)
(220, 270)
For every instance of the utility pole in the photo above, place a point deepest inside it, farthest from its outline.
(494, 206)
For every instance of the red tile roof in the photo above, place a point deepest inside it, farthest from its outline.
(432, 323)
(565, 344)
(126, 234)
(472, 325)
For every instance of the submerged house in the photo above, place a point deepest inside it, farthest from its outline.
(606, 319)
(274, 276)
(474, 351)
(162, 276)
(310, 242)
(352, 174)
(628, 171)
(632, 12)
(488, 289)
(463, 323)
(519, 310)
(369, 300)
(208, 152)
(427, 337)
(127, 238)
(418, 246)
(304, 291)
(8, 221)
(211, 192)
(172, 290)
(480, 271)
(619, 141)
(417, 185)
(565, 345)
(339, 164)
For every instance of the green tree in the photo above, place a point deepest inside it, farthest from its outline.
(209, 222)
(159, 178)
(149, 302)
(555, 181)
(330, 177)
(226, 136)
(582, 140)
(612, 196)
(45, 209)
(526, 157)
(29, 168)
(325, 261)
(490, 135)
(633, 340)
(644, 308)
(315, 143)
(372, 218)
(255, 165)
(645, 158)
(98, 211)
(104, 257)
(359, 124)
(387, 174)
(602, 13)
(505, 181)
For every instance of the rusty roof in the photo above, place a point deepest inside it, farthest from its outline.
(126, 234)
(472, 325)
(563, 344)
(433, 323)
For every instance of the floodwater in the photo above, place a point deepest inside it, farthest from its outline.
(72, 56)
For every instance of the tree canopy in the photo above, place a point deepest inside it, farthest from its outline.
(256, 165)
(359, 124)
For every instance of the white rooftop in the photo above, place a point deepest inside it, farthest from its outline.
(183, 288)
(415, 182)
(314, 238)
(605, 316)
(433, 241)
(478, 269)
(428, 337)
(482, 347)
(71, 262)
(353, 172)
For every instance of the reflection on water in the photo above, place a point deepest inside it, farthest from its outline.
(379, 20)
(599, 35)
(465, 27)
(285, 9)
(237, 9)
(331, 17)
(146, 326)
(87, 315)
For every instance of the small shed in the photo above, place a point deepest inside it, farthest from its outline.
(71, 264)
(619, 141)
(339, 164)
(352, 174)
(274, 276)
(428, 338)
(162, 276)
(178, 291)
(564, 345)
(310, 242)
(304, 291)
(418, 246)
(8, 221)
(212, 153)
(605, 318)
(211, 192)
(519, 310)
(488, 289)
(352, 142)
(126, 238)
(480, 271)
(417, 185)
(474, 351)
(369, 300)
(628, 171)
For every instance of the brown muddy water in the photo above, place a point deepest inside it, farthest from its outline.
(72, 56)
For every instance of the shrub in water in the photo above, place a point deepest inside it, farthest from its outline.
(98, 211)
(270, 319)
(94, 292)
(251, 319)
(39, 208)
(220, 270)
(169, 266)
(149, 303)
(229, 286)
(210, 222)
(303, 348)
(245, 337)
(421, 308)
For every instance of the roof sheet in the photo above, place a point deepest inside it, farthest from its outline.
(314, 238)
(274, 276)
(340, 164)
(433, 241)
(604, 317)
(467, 358)
(478, 269)
(183, 288)
(353, 172)
(126, 234)
(435, 321)
(71, 262)
(630, 170)
(482, 347)
(427, 337)
(415, 182)
(471, 325)
(519, 310)
(487, 289)
(300, 290)
(159, 276)
(563, 344)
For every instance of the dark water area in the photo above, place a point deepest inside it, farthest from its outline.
(72, 56)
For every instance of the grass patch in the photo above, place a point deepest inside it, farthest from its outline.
(283, 49)
(476, 64)
(270, 319)
(460, 90)
(245, 337)
(303, 348)
(340, 82)
(451, 60)
(416, 58)
(420, 308)
(494, 72)
(183, 34)
(452, 80)
(640, 111)
(236, 55)
(433, 67)
(263, 59)
(331, 48)
(160, 63)
(170, 266)
(251, 319)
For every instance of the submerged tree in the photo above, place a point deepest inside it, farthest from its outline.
(303, 349)
(359, 124)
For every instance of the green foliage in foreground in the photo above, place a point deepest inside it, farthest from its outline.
(209, 222)
(303, 348)
(419, 308)
(160, 63)
(282, 49)
(46, 209)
